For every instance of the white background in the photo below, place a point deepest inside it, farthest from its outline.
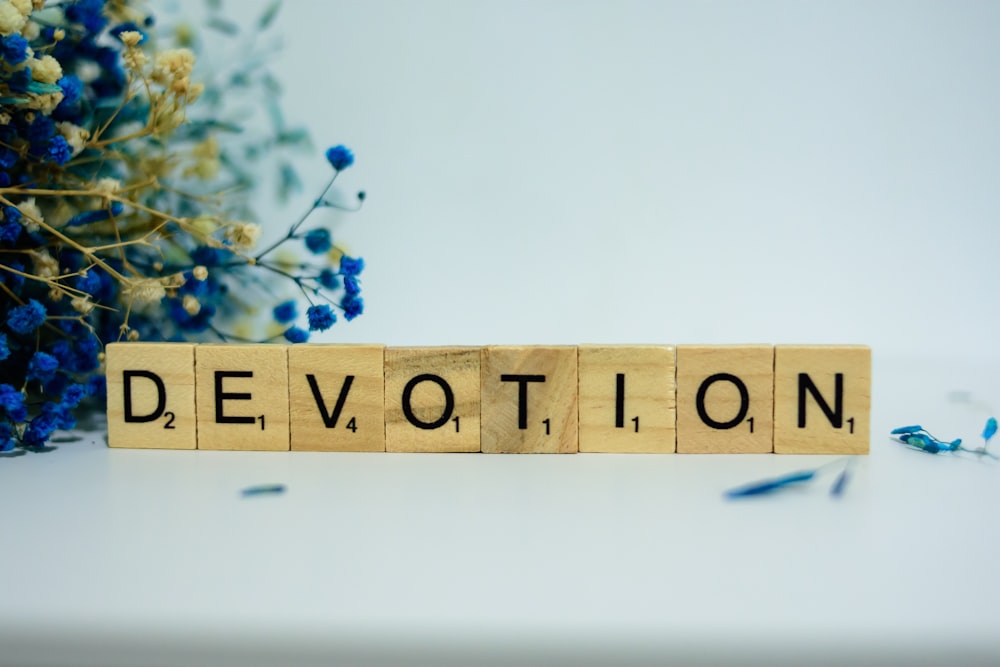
(564, 172)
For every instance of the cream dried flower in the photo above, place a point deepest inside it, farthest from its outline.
(46, 266)
(82, 305)
(75, 135)
(146, 290)
(108, 186)
(11, 19)
(243, 235)
(31, 215)
(45, 69)
(191, 304)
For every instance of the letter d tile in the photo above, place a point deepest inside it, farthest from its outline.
(151, 395)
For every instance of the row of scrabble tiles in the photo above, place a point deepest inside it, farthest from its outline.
(499, 399)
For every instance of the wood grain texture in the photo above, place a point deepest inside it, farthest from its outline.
(427, 381)
(806, 379)
(161, 392)
(242, 397)
(736, 388)
(545, 422)
(316, 424)
(627, 398)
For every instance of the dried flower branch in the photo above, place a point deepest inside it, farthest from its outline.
(123, 212)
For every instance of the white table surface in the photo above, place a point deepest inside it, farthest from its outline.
(116, 557)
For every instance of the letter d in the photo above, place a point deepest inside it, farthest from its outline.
(161, 396)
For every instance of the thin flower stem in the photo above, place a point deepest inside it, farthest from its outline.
(298, 223)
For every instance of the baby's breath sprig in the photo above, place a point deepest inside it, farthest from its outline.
(123, 211)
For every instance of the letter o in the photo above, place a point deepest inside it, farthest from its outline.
(449, 401)
(744, 401)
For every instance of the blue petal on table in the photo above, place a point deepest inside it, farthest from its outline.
(263, 490)
(990, 429)
(907, 429)
(837, 489)
(922, 442)
(770, 485)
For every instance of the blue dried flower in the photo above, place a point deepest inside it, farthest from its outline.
(296, 335)
(350, 266)
(97, 386)
(19, 81)
(9, 233)
(285, 312)
(61, 415)
(99, 215)
(14, 49)
(12, 401)
(39, 430)
(72, 89)
(318, 240)
(210, 256)
(90, 13)
(328, 279)
(59, 150)
(40, 133)
(73, 395)
(198, 322)
(351, 285)
(340, 157)
(13, 280)
(6, 437)
(321, 317)
(353, 306)
(25, 319)
(42, 366)
(11, 214)
(8, 157)
(4, 349)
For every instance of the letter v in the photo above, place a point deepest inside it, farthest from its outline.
(330, 420)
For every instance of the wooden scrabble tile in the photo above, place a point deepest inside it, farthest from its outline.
(242, 396)
(335, 395)
(627, 398)
(432, 399)
(725, 399)
(822, 399)
(151, 395)
(529, 400)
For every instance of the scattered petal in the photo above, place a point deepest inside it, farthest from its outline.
(837, 490)
(990, 430)
(263, 490)
(771, 485)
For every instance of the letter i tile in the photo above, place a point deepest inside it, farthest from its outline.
(242, 396)
(151, 395)
(336, 398)
(627, 398)
(529, 399)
